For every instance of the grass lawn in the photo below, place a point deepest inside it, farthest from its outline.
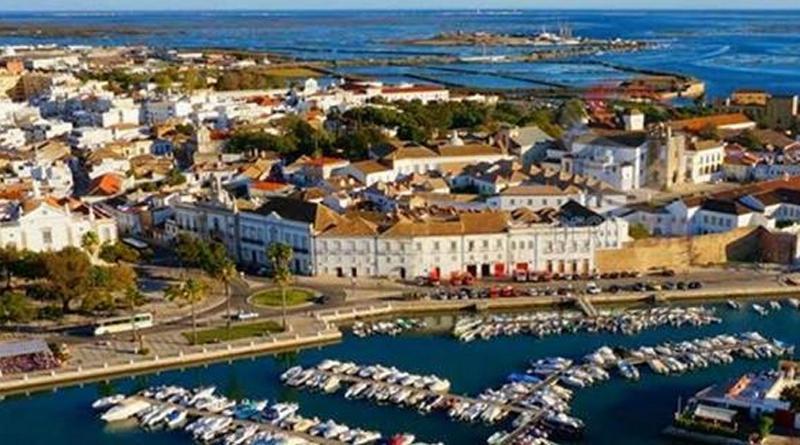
(293, 72)
(236, 332)
(272, 297)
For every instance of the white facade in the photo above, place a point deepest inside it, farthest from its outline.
(542, 247)
(620, 166)
(258, 231)
(705, 165)
(46, 227)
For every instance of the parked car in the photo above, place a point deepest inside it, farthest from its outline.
(592, 288)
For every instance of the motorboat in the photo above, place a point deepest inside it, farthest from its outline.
(107, 402)
(125, 410)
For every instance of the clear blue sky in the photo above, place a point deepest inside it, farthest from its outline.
(96, 5)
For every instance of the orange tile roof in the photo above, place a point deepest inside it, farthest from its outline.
(268, 186)
(718, 120)
(107, 185)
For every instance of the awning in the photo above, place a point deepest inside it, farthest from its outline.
(715, 413)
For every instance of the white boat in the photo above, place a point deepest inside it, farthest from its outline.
(760, 309)
(734, 305)
(175, 419)
(241, 435)
(125, 410)
(201, 394)
(775, 305)
(156, 417)
(497, 438)
(794, 302)
(107, 402)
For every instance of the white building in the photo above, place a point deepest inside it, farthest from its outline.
(480, 243)
(704, 161)
(45, 224)
(618, 158)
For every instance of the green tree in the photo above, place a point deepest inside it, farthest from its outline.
(118, 252)
(90, 241)
(175, 177)
(133, 298)
(280, 257)
(214, 260)
(193, 80)
(191, 292)
(10, 258)
(638, 231)
(15, 307)
(68, 275)
(749, 140)
(765, 425)
(572, 112)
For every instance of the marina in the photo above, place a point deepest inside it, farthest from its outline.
(539, 400)
(259, 379)
(540, 324)
(210, 417)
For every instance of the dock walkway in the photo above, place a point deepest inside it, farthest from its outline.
(586, 306)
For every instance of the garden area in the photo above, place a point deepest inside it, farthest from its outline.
(272, 297)
(236, 332)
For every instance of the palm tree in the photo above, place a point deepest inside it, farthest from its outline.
(225, 272)
(191, 292)
(280, 255)
(132, 297)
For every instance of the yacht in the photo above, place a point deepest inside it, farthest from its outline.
(734, 305)
(627, 370)
(125, 410)
(242, 435)
(794, 302)
(107, 402)
(175, 418)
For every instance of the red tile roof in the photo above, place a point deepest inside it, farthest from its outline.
(268, 186)
(106, 185)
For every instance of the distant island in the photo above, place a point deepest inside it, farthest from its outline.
(44, 30)
(563, 37)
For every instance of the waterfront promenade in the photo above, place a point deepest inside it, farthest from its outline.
(310, 328)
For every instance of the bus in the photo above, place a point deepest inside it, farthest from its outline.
(123, 324)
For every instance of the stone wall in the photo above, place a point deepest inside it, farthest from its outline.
(747, 244)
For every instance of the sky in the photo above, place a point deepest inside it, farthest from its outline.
(117, 5)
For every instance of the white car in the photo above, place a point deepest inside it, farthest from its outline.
(243, 316)
(592, 288)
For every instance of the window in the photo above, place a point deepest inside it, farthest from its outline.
(436, 246)
(47, 236)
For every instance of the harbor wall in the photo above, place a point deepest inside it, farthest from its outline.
(740, 245)
(21, 383)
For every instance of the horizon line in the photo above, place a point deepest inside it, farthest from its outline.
(378, 9)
